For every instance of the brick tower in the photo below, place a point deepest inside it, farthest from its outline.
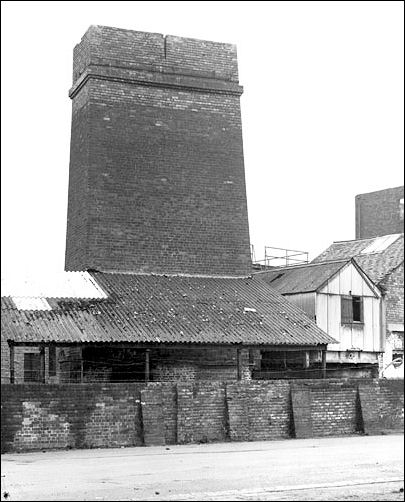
(157, 181)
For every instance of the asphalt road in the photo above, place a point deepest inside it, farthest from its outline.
(344, 468)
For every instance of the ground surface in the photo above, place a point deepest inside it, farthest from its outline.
(345, 468)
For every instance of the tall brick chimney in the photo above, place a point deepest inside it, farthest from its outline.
(157, 181)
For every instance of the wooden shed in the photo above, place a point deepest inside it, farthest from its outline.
(345, 303)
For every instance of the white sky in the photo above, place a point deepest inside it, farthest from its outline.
(322, 112)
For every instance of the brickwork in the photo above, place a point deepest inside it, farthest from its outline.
(258, 410)
(156, 174)
(325, 407)
(5, 360)
(111, 415)
(382, 405)
(159, 414)
(70, 416)
(379, 213)
(394, 285)
(201, 412)
(219, 363)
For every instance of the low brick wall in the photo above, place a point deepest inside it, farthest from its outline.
(325, 408)
(382, 405)
(111, 415)
(70, 416)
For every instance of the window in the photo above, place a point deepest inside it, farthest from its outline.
(52, 361)
(282, 360)
(32, 367)
(351, 309)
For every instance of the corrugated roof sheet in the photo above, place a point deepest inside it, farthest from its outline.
(375, 265)
(301, 279)
(164, 309)
(52, 285)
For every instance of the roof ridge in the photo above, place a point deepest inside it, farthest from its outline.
(365, 239)
(165, 274)
(307, 265)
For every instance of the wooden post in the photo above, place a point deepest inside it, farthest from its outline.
(11, 362)
(324, 363)
(239, 363)
(147, 365)
(42, 363)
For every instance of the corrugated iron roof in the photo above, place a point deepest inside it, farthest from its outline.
(301, 278)
(376, 265)
(52, 285)
(164, 309)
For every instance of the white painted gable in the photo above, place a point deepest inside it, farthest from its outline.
(349, 281)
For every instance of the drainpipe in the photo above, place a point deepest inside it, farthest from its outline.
(383, 327)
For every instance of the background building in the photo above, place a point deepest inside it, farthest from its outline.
(345, 303)
(380, 213)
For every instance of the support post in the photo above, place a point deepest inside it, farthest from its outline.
(306, 359)
(11, 362)
(239, 363)
(324, 363)
(147, 365)
(42, 363)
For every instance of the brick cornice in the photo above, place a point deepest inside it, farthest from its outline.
(156, 79)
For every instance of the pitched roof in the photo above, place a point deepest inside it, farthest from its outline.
(301, 278)
(167, 309)
(376, 264)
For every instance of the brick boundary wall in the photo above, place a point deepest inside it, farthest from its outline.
(97, 415)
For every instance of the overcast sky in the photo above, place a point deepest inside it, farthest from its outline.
(322, 112)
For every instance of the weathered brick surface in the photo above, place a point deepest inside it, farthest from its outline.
(70, 416)
(156, 174)
(258, 410)
(159, 414)
(219, 363)
(394, 285)
(379, 213)
(201, 415)
(302, 411)
(5, 360)
(325, 407)
(109, 415)
(382, 405)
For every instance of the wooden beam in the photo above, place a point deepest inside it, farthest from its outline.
(147, 365)
(42, 363)
(324, 364)
(11, 362)
(239, 363)
(306, 359)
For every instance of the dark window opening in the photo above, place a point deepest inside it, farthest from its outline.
(32, 367)
(114, 364)
(52, 361)
(351, 309)
(357, 309)
(282, 360)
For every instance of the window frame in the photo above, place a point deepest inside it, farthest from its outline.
(29, 373)
(347, 303)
